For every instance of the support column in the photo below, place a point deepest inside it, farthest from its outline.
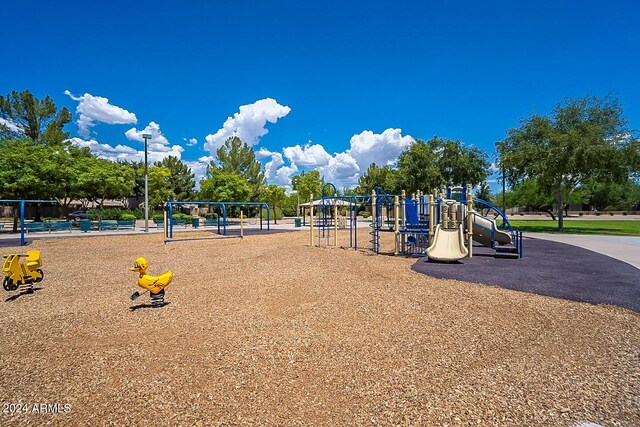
(396, 217)
(469, 221)
(241, 224)
(432, 218)
(311, 221)
(373, 206)
(335, 223)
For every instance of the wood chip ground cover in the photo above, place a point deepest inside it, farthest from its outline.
(269, 331)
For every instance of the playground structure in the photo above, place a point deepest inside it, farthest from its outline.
(442, 226)
(23, 274)
(221, 222)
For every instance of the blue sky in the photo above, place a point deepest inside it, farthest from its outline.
(315, 74)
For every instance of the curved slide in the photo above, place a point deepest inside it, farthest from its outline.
(448, 244)
(482, 231)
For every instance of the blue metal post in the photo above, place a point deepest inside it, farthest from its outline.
(268, 217)
(170, 220)
(224, 219)
(22, 242)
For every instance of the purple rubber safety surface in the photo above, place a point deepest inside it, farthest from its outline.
(548, 268)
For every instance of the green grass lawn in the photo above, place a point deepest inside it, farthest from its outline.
(616, 228)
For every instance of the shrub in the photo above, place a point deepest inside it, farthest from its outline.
(127, 217)
(611, 213)
(181, 216)
(625, 213)
(365, 214)
(580, 214)
(597, 213)
(211, 215)
(158, 216)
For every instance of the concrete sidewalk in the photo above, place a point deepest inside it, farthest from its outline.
(624, 248)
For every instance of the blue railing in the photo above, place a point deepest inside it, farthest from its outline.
(499, 213)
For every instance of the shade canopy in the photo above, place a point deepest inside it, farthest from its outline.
(326, 202)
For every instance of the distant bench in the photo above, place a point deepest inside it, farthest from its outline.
(111, 224)
(32, 227)
(213, 222)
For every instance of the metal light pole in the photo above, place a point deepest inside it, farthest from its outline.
(504, 200)
(146, 137)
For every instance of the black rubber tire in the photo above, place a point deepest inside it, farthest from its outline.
(8, 284)
(42, 275)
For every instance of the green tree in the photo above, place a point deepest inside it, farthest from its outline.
(25, 170)
(582, 139)
(483, 192)
(67, 164)
(383, 177)
(308, 183)
(104, 179)
(224, 186)
(459, 164)
(238, 157)
(159, 186)
(181, 180)
(275, 197)
(607, 195)
(418, 169)
(439, 162)
(39, 120)
(528, 194)
(290, 206)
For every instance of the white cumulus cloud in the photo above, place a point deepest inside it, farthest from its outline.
(13, 127)
(307, 156)
(382, 149)
(152, 129)
(283, 176)
(271, 168)
(93, 109)
(345, 168)
(248, 123)
(190, 142)
(126, 153)
(342, 170)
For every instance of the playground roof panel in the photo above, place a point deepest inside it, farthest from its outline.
(327, 202)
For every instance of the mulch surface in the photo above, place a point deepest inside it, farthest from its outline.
(548, 268)
(269, 331)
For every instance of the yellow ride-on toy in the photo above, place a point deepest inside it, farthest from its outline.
(153, 284)
(22, 273)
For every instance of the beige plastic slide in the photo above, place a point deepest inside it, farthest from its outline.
(482, 227)
(448, 245)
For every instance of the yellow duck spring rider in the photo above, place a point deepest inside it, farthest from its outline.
(153, 284)
(25, 273)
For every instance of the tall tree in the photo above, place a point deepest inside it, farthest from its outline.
(426, 166)
(418, 169)
(583, 138)
(483, 192)
(181, 180)
(238, 157)
(383, 177)
(68, 163)
(308, 183)
(224, 186)
(458, 163)
(25, 170)
(160, 188)
(39, 120)
(104, 179)
(275, 197)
